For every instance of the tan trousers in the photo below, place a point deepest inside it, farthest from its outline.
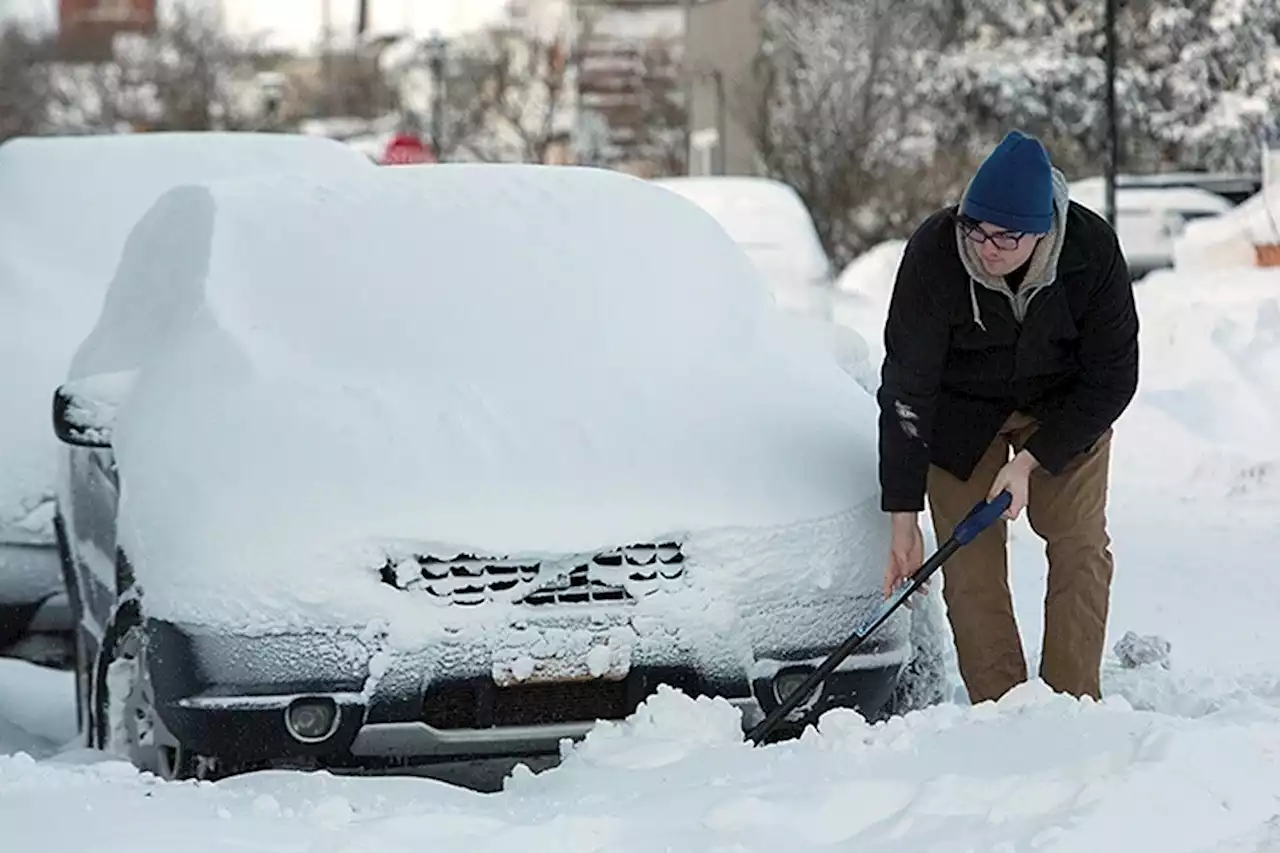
(1068, 512)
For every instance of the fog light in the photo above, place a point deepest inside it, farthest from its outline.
(787, 682)
(311, 720)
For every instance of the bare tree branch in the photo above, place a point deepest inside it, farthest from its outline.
(25, 85)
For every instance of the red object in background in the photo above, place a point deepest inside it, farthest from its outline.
(404, 149)
(86, 28)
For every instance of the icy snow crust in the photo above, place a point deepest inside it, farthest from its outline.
(497, 360)
(66, 207)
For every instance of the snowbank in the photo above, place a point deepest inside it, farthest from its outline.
(1228, 240)
(66, 207)
(1210, 373)
(1034, 772)
(862, 293)
(361, 369)
(37, 708)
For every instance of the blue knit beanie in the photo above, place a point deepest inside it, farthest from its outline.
(1013, 188)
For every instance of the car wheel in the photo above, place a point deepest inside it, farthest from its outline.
(125, 722)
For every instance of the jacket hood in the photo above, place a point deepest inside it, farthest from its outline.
(1043, 269)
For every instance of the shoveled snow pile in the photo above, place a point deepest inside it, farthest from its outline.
(66, 207)
(1213, 371)
(327, 368)
(1034, 771)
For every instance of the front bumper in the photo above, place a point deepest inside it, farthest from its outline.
(413, 713)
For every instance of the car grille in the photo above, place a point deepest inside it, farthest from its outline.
(528, 705)
(480, 704)
(621, 575)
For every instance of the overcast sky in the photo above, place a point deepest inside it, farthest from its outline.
(297, 23)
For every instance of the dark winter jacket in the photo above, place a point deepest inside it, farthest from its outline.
(963, 351)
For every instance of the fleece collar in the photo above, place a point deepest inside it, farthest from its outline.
(1043, 269)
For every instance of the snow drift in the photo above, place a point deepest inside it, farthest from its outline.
(482, 359)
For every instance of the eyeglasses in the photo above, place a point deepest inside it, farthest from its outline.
(1004, 240)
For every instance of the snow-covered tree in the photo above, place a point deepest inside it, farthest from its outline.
(1196, 80)
(835, 123)
(524, 95)
(183, 78)
(24, 82)
(878, 111)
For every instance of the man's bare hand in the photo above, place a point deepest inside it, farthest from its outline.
(1014, 477)
(906, 552)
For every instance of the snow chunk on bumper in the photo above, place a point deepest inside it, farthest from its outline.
(665, 729)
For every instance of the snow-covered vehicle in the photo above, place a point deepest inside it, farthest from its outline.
(771, 223)
(1150, 219)
(438, 463)
(66, 206)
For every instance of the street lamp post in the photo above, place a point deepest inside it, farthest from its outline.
(1113, 131)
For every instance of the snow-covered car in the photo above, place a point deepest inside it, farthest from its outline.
(1150, 219)
(438, 463)
(771, 223)
(66, 206)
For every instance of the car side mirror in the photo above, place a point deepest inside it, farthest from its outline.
(84, 410)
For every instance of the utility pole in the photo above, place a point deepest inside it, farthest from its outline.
(326, 56)
(1113, 129)
(435, 48)
(686, 84)
(362, 19)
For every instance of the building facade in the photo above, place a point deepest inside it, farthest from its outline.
(726, 94)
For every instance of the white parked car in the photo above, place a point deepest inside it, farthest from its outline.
(1150, 219)
(444, 462)
(769, 220)
(66, 206)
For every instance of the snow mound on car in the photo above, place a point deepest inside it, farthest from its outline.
(472, 358)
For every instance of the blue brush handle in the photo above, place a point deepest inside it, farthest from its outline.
(981, 517)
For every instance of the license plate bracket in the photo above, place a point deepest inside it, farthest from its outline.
(555, 655)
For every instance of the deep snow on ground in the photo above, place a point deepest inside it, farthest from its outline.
(1177, 759)
(1033, 772)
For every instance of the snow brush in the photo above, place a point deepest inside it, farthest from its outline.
(982, 516)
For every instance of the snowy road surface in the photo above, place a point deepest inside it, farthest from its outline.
(1183, 760)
